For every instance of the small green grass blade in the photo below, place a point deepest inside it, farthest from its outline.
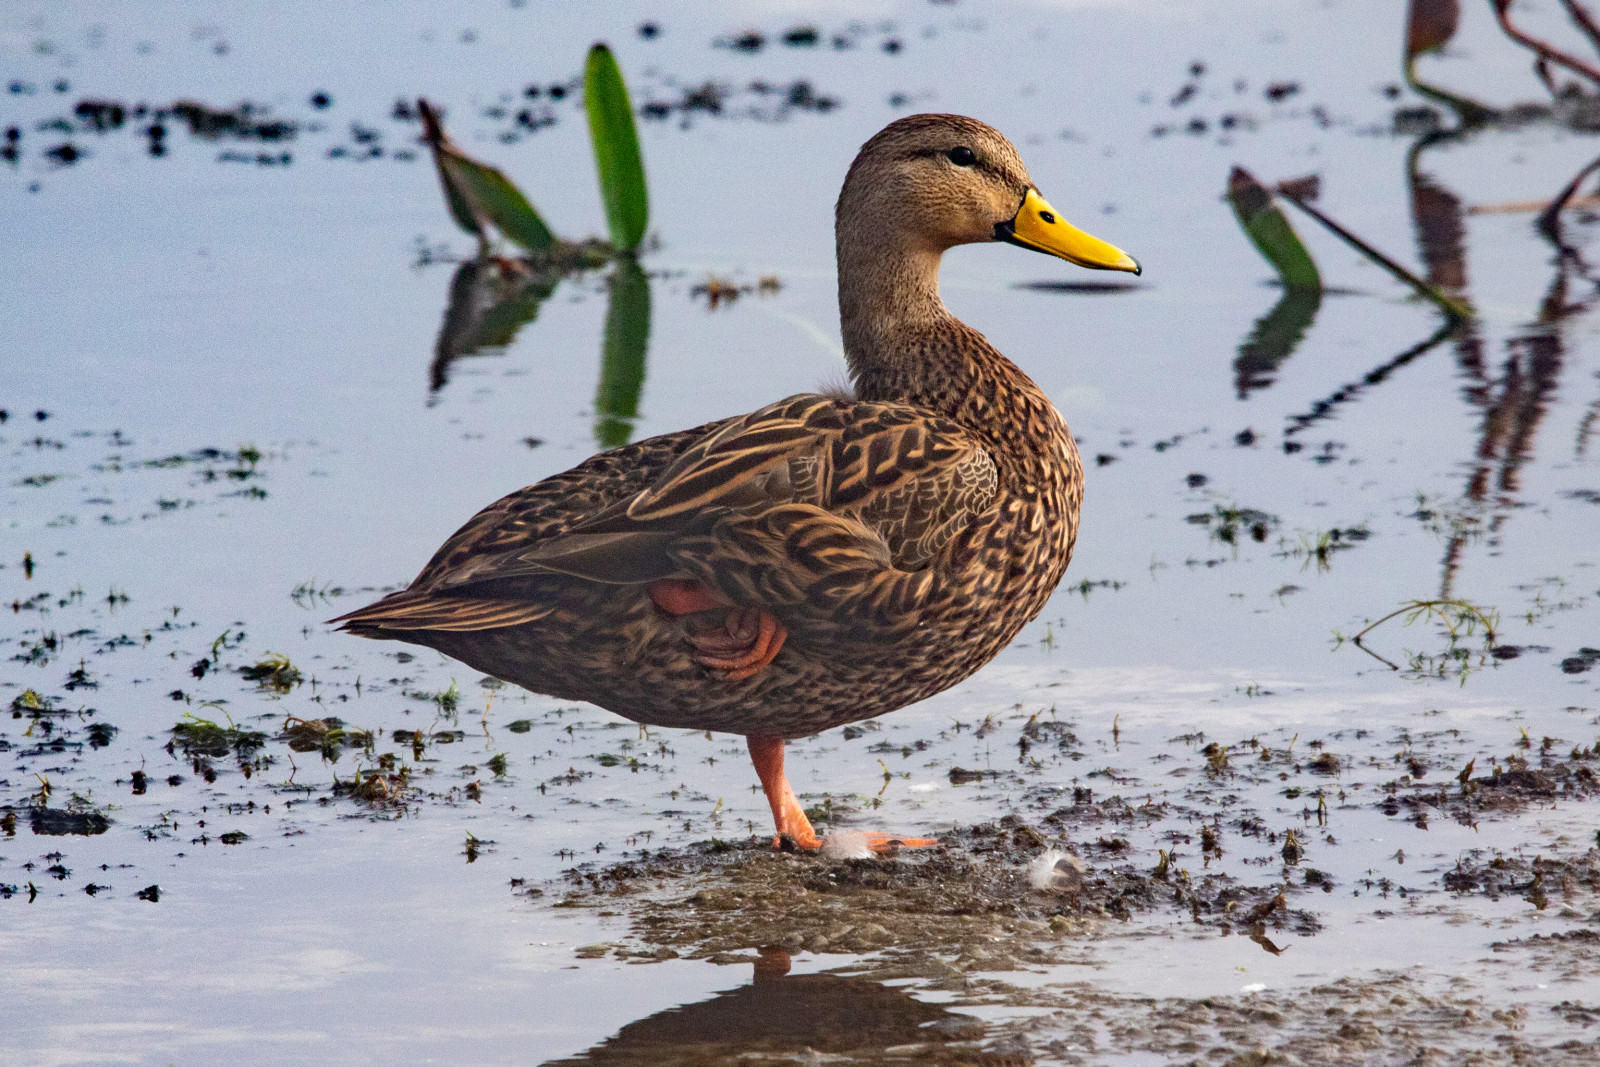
(1268, 228)
(616, 149)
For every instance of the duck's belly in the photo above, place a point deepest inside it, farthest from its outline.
(643, 670)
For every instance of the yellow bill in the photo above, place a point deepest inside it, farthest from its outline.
(1037, 226)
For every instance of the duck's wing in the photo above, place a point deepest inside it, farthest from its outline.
(513, 523)
(552, 507)
(798, 508)
(794, 508)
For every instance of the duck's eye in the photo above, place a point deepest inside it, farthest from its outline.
(962, 156)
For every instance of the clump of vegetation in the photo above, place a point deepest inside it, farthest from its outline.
(328, 736)
(1464, 623)
(388, 783)
(29, 701)
(1319, 546)
(1230, 523)
(197, 737)
(273, 671)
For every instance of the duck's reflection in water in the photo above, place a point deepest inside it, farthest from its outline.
(799, 1017)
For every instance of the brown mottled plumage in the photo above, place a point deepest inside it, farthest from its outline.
(901, 537)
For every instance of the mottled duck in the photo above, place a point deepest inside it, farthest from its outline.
(826, 558)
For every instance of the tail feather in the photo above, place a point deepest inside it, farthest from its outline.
(421, 611)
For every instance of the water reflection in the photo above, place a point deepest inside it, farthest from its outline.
(622, 355)
(1514, 398)
(1321, 409)
(780, 1015)
(1273, 338)
(492, 298)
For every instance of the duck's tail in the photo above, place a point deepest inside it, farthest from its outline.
(408, 610)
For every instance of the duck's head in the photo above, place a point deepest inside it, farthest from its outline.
(927, 183)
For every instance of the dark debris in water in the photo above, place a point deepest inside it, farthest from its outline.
(1538, 880)
(759, 100)
(54, 822)
(1502, 790)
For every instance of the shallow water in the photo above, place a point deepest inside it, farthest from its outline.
(286, 317)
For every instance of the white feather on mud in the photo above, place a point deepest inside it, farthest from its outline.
(1056, 870)
(847, 845)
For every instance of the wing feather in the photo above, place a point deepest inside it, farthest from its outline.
(839, 491)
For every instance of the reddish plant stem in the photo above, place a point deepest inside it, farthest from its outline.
(1502, 13)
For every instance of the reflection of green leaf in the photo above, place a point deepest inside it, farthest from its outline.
(616, 149)
(1274, 337)
(477, 193)
(489, 303)
(1269, 230)
(622, 355)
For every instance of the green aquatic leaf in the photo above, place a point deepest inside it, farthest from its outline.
(494, 198)
(622, 355)
(477, 193)
(1268, 229)
(433, 133)
(616, 149)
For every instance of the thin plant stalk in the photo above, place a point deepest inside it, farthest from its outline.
(1414, 609)
(1502, 14)
(1549, 222)
(1456, 309)
(1584, 21)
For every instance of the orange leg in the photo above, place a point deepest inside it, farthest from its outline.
(762, 650)
(767, 755)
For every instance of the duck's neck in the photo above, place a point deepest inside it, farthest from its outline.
(903, 344)
(888, 301)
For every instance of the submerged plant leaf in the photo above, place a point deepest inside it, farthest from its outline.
(622, 355)
(616, 149)
(1268, 229)
(478, 193)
